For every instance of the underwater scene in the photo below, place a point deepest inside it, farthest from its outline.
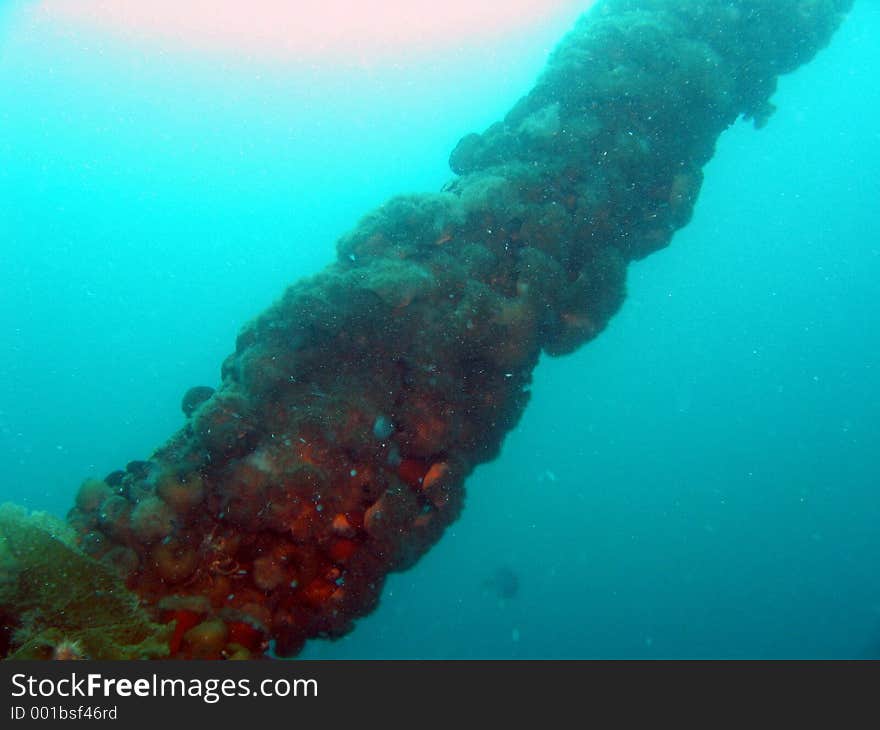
(471, 330)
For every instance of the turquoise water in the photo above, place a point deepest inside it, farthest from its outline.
(700, 481)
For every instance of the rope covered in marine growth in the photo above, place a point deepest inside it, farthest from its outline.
(353, 409)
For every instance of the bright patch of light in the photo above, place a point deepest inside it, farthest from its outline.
(334, 30)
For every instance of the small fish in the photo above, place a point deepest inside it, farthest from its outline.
(504, 583)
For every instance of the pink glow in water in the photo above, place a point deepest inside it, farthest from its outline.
(335, 30)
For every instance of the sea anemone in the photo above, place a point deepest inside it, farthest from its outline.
(194, 397)
(68, 650)
(151, 520)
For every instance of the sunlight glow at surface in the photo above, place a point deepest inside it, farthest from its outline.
(329, 30)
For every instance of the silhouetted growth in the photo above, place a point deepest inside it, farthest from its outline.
(194, 397)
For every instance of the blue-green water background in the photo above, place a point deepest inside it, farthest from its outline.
(701, 481)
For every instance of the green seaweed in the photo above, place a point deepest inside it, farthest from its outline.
(51, 594)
